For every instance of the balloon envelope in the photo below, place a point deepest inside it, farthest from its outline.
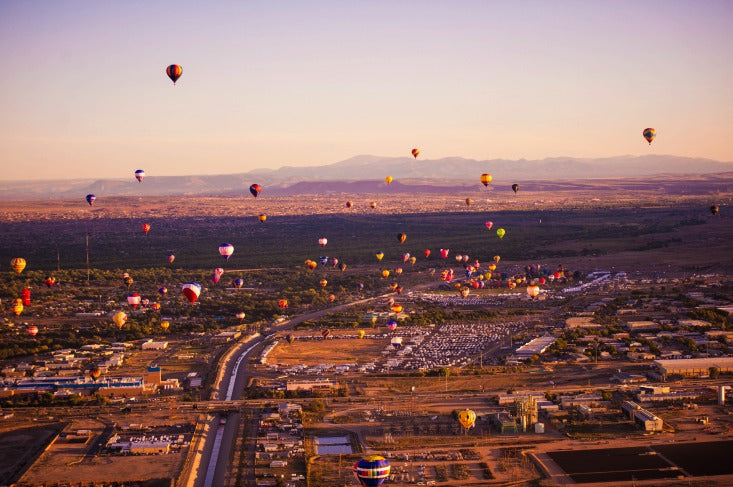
(372, 470)
(467, 418)
(415, 152)
(90, 199)
(140, 175)
(486, 179)
(18, 264)
(255, 189)
(191, 290)
(174, 71)
(500, 233)
(226, 250)
(649, 134)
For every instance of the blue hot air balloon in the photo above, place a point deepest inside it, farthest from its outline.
(372, 470)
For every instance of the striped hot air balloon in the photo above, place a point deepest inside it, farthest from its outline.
(191, 290)
(372, 470)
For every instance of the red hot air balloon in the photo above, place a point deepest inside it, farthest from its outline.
(444, 253)
(255, 189)
(146, 228)
(133, 300)
(489, 225)
(174, 71)
(33, 330)
(415, 152)
(283, 303)
(26, 297)
(191, 290)
(426, 253)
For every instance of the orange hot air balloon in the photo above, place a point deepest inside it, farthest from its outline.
(323, 282)
(426, 253)
(283, 303)
(398, 271)
(174, 71)
(95, 373)
(649, 134)
(533, 291)
(165, 325)
(18, 306)
(388, 179)
(349, 204)
(373, 204)
(497, 258)
(486, 179)
(401, 237)
(415, 152)
(385, 273)
(120, 319)
(469, 201)
(262, 218)
(18, 264)
(146, 228)
(397, 308)
(33, 330)
(467, 418)
(331, 298)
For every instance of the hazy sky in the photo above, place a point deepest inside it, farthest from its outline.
(83, 91)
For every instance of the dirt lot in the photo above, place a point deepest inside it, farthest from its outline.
(335, 351)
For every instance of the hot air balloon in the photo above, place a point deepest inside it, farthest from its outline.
(361, 334)
(467, 418)
(393, 286)
(120, 318)
(18, 306)
(385, 273)
(33, 330)
(469, 201)
(444, 253)
(289, 338)
(165, 325)
(379, 255)
(240, 316)
(171, 257)
(95, 373)
(342, 267)
(426, 253)
(216, 276)
(133, 300)
(25, 296)
(415, 152)
(497, 258)
(398, 271)
(331, 298)
(163, 291)
(500, 233)
(649, 134)
(486, 179)
(372, 471)
(464, 291)
(139, 175)
(325, 333)
(542, 280)
(412, 260)
(155, 306)
(255, 189)
(515, 188)
(311, 264)
(50, 281)
(18, 264)
(401, 237)
(349, 204)
(226, 250)
(388, 179)
(127, 279)
(174, 71)
(533, 291)
(90, 199)
(459, 258)
(323, 283)
(392, 325)
(714, 210)
(146, 228)
(396, 342)
(238, 282)
(262, 218)
(283, 303)
(322, 241)
(191, 290)
(492, 267)
(405, 257)
(397, 308)
(373, 204)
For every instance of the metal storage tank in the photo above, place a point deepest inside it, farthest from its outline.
(539, 427)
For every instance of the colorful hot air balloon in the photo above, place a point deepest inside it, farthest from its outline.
(90, 199)
(401, 237)
(216, 276)
(262, 218)
(163, 291)
(500, 233)
(171, 257)
(467, 418)
(18, 306)
(50, 281)
(325, 333)
(323, 241)
(323, 283)
(95, 373)
(392, 325)
(331, 298)
(486, 179)
(255, 189)
(396, 308)
(649, 134)
(18, 264)
(133, 300)
(155, 306)
(373, 204)
(515, 188)
(311, 264)
(165, 325)
(469, 201)
(139, 175)
(489, 225)
(714, 210)
(349, 204)
(426, 253)
(191, 290)
(120, 318)
(497, 258)
(290, 338)
(226, 250)
(372, 471)
(396, 342)
(240, 316)
(533, 291)
(379, 255)
(238, 282)
(33, 330)
(174, 71)
(398, 271)
(388, 179)
(415, 152)
(146, 228)
(283, 303)
(405, 257)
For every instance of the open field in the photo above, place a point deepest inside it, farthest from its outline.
(314, 352)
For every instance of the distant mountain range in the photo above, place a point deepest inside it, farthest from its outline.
(365, 174)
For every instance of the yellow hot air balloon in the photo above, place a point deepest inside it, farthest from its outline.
(323, 283)
(361, 334)
(18, 264)
(649, 134)
(467, 418)
(120, 319)
(385, 274)
(500, 233)
(486, 179)
(397, 308)
(263, 218)
(165, 325)
(492, 268)
(379, 255)
(18, 307)
(533, 291)
(497, 258)
(389, 179)
(373, 204)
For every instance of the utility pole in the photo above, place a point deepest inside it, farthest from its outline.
(86, 227)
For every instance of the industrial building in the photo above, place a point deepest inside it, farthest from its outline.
(534, 347)
(693, 366)
(647, 420)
